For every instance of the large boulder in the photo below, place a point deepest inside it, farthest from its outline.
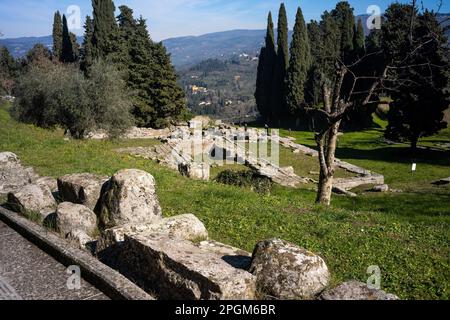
(13, 175)
(128, 197)
(33, 198)
(177, 269)
(285, 271)
(355, 290)
(186, 226)
(110, 244)
(82, 188)
(70, 217)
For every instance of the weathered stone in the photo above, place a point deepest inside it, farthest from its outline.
(344, 192)
(33, 198)
(286, 271)
(186, 226)
(199, 171)
(13, 176)
(129, 197)
(79, 238)
(355, 290)
(177, 269)
(348, 184)
(70, 217)
(238, 258)
(442, 182)
(381, 188)
(49, 182)
(83, 188)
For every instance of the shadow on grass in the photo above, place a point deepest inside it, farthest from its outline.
(396, 154)
(408, 205)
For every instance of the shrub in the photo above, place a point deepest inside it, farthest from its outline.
(246, 178)
(60, 95)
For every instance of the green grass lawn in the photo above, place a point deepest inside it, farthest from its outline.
(406, 235)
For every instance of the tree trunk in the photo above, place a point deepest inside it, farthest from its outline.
(327, 151)
(414, 142)
(325, 189)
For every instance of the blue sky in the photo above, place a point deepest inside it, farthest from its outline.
(173, 18)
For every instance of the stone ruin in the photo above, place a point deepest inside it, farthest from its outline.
(120, 221)
(193, 152)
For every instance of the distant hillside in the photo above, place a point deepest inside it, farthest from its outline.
(222, 89)
(20, 46)
(188, 51)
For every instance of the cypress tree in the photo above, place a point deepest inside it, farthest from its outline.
(299, 65)
(8, 65)
(359, 40)
(167, 96)
(312, 92)
(157, 98)
(265, 71)
(87, 56)
(105, 28)
(75, 46)
(67, 52)
(57, 36)
(343, 13)
(278, 106)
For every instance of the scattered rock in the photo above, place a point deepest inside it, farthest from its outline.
(14, 176)
(381, 188)
(176, 269)
(344, 192)
(32, 198)
(79, 238)
(83, 188)
(285, 271)
(442, 182)
(129, 197)
(195, 170)
(71, 217)
(348, 184)
(355, 290)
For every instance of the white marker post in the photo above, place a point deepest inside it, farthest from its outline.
(414, 167)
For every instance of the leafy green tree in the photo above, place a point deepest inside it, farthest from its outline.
(67, 53)
(87, 55)
(299, 65)
(104, 37)
(57, 36)
(60, 95)
(278, 106)
(38, 55)
(266, 66)
(418, 105)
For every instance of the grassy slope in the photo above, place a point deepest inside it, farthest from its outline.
(406, 235)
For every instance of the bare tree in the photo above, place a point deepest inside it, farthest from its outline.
(352, 89)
